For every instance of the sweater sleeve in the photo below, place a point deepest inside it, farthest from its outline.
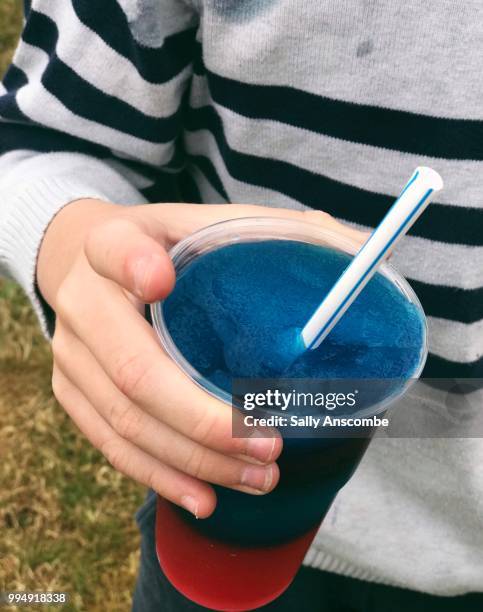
(90, 107)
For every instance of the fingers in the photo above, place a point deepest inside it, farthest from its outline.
(196, 496)
(130, 253)
(183, 219)
(153, 437)
(127, 349)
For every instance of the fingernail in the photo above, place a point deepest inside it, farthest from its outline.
(190, 504)
(257, 478)
(141, 269)
(260, 446)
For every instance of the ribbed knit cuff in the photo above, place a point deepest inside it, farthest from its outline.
(319, 559)
(30, 211)
(322, 560)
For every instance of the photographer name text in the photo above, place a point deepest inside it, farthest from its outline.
(313, 421)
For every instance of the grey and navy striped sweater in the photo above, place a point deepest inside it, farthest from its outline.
(327, 104)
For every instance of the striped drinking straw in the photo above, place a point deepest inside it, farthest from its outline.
(412, 201)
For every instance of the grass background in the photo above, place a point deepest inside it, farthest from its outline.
(66, 518)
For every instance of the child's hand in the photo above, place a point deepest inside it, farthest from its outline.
(98, 264)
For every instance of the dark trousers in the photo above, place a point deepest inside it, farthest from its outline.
(311, 591)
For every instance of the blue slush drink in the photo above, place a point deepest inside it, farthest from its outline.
(236, 313)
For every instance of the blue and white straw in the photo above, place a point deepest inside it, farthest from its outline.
(412, 201)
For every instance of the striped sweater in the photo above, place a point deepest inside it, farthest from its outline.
(300, 104)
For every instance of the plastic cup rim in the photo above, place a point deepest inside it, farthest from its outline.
(342, 242)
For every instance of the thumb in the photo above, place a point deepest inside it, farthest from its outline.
(122, 250)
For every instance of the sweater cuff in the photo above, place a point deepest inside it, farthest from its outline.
(31, 209)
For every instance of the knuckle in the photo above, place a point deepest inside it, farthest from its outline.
(95, 239)
(194, 462)
(60, 387)
(130, 218)
(131, 374)
(152, 480)
(115, 454)
(56, 344)
(91, 237)
(126, 420)
(63, 301)
(96, 234)
(59, 348)
(317, 216)
(205, 427)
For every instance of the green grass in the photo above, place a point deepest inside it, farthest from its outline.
(66, 517)
(10, 20)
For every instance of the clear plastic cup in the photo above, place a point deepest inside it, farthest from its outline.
(247, 554)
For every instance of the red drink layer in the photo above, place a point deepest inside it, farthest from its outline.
(223, 576)
(248, 552)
